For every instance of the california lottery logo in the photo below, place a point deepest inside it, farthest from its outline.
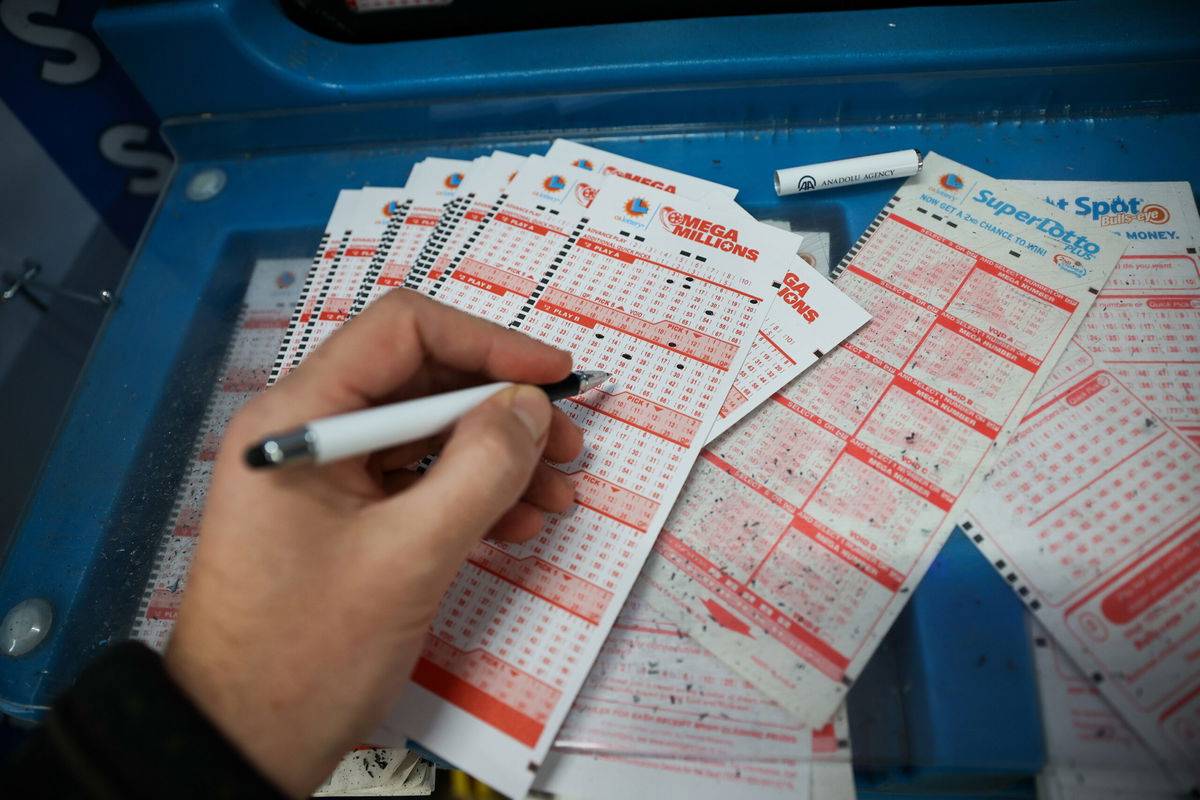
(555, 183)
(585, 194)
(637, 207)
(670, 218)
(391, 209)
(453, 180)
(582, 163)
(951, 181)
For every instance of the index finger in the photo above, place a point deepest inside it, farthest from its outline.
(376, 353)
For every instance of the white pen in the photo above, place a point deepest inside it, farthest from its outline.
(848, 171)
(346, 435)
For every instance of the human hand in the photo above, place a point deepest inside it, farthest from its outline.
(312, 588)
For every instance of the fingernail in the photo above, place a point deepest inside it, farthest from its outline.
(533, 408)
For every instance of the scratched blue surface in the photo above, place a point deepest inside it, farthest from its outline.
(292, 119)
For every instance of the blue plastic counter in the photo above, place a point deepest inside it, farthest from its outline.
(1067, 90)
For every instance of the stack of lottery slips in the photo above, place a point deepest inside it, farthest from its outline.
(698, 311)
(1092, 514)
(802, 532)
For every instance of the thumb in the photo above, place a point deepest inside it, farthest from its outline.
(484, 467)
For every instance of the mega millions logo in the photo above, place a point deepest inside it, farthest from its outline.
(670, 218)
(453, 180)
(555, 183)
(705, 232)
(636, 207)
(583, 163)
(951, 181)
(585, 194)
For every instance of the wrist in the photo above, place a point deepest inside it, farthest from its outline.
(253, 722)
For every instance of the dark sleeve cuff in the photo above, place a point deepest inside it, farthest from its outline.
(126, 731)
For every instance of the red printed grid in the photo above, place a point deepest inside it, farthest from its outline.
(605, 304)
(654, 691)
(692, 344)
(492, 279)
(506, 652)
(1145, 327)
(247, 367)
(907, 430)
(613, 501)
(407, 239)
(335, 297)
(1094, 475)
(766, 362)
(642, 414)
(543, 579)
(456, 238)
(502, 267)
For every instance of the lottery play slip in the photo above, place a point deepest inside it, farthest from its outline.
(803, 530)
(1093, 512)
(653, 276)
(660, 713)
(1091, 753)
(781, 457)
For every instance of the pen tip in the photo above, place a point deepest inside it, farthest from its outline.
(591, 379)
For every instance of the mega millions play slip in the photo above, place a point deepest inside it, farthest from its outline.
(803, 530)
(653, 276)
